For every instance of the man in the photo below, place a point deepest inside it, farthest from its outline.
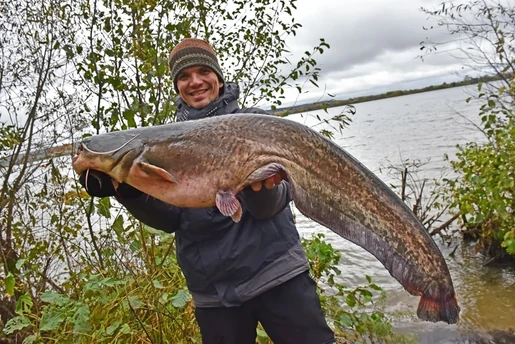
(238, 273)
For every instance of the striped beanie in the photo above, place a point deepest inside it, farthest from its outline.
(193, 52)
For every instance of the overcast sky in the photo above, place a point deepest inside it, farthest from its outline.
(375, 46)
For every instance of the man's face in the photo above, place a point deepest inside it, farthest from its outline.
(198, 86)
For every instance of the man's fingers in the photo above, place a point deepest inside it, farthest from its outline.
(269, 182)
(115, 184)
(256, 186)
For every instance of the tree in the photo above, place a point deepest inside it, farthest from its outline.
(34, 100)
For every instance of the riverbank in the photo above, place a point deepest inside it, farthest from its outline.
(355, 100)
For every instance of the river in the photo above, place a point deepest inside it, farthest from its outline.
(421, 126)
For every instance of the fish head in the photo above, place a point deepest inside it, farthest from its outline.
(111, 153)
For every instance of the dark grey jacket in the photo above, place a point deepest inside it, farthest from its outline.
(227, 263)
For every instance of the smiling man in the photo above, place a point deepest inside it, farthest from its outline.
(240, 273)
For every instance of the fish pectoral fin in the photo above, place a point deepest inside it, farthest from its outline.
(152, 170)
(267, 171)
(229, 205)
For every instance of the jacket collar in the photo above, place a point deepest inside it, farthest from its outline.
(226, 103)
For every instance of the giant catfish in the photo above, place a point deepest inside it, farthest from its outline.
(206, 162)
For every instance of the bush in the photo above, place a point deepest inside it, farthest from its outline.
(484, 192)
(145, 300)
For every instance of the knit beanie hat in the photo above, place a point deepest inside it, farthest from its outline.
(193, 52)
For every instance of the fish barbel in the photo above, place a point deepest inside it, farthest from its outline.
(206, 162)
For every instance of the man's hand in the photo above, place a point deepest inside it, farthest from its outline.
(269, 183)
(99, 184)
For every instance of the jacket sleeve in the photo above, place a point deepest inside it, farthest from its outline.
(265, 203)
(153, 212)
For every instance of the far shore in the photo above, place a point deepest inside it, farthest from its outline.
(283, 111)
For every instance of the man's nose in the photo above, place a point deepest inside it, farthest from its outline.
(195, 79)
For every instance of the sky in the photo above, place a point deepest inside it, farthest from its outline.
(375, 47)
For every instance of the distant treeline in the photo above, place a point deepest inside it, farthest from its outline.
(334, 103)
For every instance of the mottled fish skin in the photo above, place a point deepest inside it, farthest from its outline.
(328, 185)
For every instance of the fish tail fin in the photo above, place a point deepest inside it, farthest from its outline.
(439, 309)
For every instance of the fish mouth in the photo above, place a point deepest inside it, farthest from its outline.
(80, 149)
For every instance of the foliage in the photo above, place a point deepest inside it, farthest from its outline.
(356, 314)
(141, 297)
(482, 195)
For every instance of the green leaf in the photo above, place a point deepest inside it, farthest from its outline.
(181, 298)
(112, 328)
(510, 248)
(103, 206)
(351, 300)
(9, 284)
(16, 324)
(345, 320)
(20, 263)
(261, 333)
(92, 286)
(157, 284)
(30, 339)
(110, 282)
(366, 294)
(375, 287)
(118, 226)
(262, 337)
(51, 320)
(24, 304)
(135, 245)
(81, 320)
(135, 302)
(125, 329)
(54, 298)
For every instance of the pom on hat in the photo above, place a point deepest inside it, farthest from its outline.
(193, 52)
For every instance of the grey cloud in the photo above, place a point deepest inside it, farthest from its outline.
(375, 46)
(358, 36)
